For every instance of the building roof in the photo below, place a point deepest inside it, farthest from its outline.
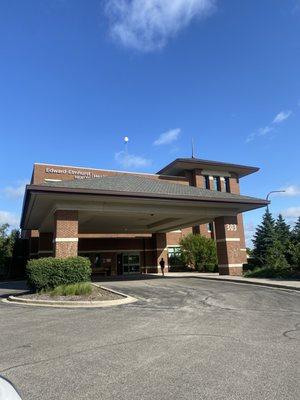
(178, 166)
(149, 199)
(141, 185)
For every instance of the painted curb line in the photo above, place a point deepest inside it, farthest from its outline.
(73, 303)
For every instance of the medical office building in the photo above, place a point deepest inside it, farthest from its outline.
(125, 222)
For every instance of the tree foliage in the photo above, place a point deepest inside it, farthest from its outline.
(7, 242)
(276, 246)
(198, 251)
(264, 238)
(296, 232)
(282, 229)
(296, 255)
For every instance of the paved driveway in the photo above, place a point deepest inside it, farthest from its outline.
(185, 339)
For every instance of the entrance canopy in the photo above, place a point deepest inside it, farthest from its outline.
(129, 204)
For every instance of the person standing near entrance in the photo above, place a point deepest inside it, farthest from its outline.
(162, 266)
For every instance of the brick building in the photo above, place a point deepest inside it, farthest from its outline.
(125, 222)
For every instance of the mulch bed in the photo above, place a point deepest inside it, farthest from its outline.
(98, 294)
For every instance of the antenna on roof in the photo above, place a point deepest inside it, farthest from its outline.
(193, 149)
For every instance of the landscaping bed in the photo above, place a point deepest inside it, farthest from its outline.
(97, 294)
(65, 282)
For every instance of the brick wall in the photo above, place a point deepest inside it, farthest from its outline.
(66, 233)
(173, 238)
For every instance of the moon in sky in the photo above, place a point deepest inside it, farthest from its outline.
(126, 139)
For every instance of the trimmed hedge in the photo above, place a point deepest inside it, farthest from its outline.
(48, 273)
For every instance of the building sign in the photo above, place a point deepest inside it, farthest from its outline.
(76, 173)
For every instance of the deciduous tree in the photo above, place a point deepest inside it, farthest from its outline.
(198, 251)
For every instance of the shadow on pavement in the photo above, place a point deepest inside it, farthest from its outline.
(133, 277)
(137, 277)
(12, 287)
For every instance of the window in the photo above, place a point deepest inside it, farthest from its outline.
(206, 177)
(174, 256)
(174, 251)
(217, 185)
(209, 227)
(131, 263)
(227, 185)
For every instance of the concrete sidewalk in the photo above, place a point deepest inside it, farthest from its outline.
(280, 283)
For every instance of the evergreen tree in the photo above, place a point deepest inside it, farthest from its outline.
(275, 256)
(284, 237)
(296, 232)
(282, 230)
(295, 261)
(264, 238)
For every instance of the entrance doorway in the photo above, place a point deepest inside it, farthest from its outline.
(130, 263)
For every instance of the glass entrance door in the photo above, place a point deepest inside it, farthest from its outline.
(131, 263)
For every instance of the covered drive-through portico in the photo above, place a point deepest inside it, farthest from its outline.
(66, 213)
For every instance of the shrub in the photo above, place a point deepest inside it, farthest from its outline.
(267, 272)
(48, 273)
(198, 251)
(211, 268)
(74, 289)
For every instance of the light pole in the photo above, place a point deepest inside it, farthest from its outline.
(273, 191)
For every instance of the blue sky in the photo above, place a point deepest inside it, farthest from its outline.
(77, 76)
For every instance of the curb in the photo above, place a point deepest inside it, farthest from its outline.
(73, 303)
(268, 284)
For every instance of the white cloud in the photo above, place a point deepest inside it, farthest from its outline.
(282, 116)
(291, 191)
(127, 160)
(260, 132)
(167, 137)
(7, 217)
(15, 192)
(291, 212)
(146, 25)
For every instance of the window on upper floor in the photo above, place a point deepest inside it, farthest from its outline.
(217, 183)
(227, 185)
(206, 177)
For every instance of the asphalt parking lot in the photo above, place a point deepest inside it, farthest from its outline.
(185, 338)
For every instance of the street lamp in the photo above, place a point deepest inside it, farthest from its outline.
(273, 191)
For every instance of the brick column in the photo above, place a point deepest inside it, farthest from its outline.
(66, 233)
(235, 188)
(228, 246)
(45, 248)
(242, 237)
(161, 250)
